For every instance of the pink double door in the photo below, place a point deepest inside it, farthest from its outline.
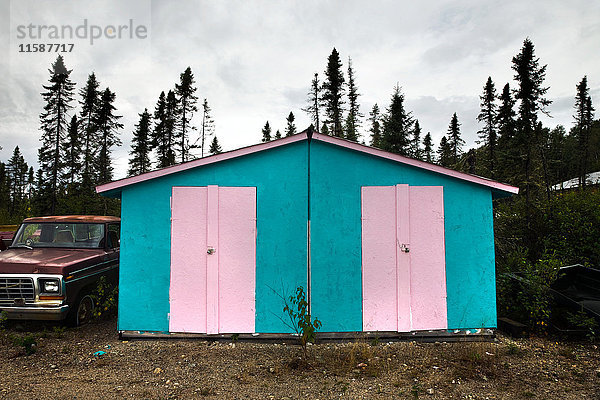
(213, 259)
(403, 258)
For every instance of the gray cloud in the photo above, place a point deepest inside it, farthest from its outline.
(254, 60)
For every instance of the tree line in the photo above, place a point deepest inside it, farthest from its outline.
(76, 145)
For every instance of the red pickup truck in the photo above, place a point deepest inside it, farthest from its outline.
(53, 266)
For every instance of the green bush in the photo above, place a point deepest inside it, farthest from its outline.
(296, 308)
(106, 298)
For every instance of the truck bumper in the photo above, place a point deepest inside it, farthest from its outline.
(54, 313)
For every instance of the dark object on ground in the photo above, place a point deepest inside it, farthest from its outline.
(513, 328)
(578, 288)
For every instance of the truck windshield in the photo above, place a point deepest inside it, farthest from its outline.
(76, 235)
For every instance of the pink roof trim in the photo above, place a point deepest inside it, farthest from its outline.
(416, 163)
(296, 138)
(196, 163)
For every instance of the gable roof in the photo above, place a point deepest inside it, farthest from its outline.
(305, 135)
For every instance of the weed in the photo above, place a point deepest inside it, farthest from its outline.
(235, 337)
(583, 321)
(296, 307)
(27, 342)
(416, 390)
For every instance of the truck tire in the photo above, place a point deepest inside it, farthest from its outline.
(82, 311)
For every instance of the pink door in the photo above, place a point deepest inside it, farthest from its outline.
(403, 258)
(213, 259)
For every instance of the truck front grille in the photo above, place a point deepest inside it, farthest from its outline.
(16, 288)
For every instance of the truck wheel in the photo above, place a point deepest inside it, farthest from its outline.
(82, 312)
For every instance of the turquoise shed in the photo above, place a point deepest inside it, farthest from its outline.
(381, 242)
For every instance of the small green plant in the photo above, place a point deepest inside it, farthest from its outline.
(583, 321)
(235, 337)
(27, 342)
(3, 318)
(296, 308)
(105, 298)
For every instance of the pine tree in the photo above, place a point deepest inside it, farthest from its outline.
(58, 97)
(333, 90)
(89, 103)
(160, 139)
(444, 153)
(455, 142)
(165, 128)
(186, 100)
(324, 129)
(530, 94)
(4, 193)
(354, 114)
(427, 148)
(277, 134)
(375, 129)
(139, 162)
(397, 125)
(208, 125)
(314, 100)
(17, 169)
(488, 115)
(290, 128)
(584, 117)
(415, 143)
(507, 153)
(108, 127)
(215, 147)
(266, 133)
(72, 153)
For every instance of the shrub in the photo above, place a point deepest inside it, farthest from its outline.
(296, 308)
(106, 298)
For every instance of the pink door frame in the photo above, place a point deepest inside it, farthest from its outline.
(213, 259)
(403, 258)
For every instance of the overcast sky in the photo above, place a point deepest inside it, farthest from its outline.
(254, 60)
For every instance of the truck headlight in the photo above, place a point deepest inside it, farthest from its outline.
(49, 286)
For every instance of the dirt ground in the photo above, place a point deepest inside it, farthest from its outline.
(66, 365)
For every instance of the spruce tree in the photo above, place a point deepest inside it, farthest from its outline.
(215, 147)
(17, 169)
(266, 133)
(354, 114)
(427, 148)
(187, 100)
(455, 142)
(397, 125)
(108, 128)
(488, 115)
(160, 139)
(415, 143)
(290, 128)
(333, 91)
(375, 129)
(72, 153)
(324, 129)
(444, 153)
(171, 133)
(208, 125)
(584, 117)
(507, 152)
(314, 100)
(530, 94)
(89, 103)
(139, 162)
(277, 134)
(4, 194)
(58, 96)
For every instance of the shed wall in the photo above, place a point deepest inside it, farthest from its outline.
(280, 177)
(337, 175)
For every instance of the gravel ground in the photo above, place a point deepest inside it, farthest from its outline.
(65, 366)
